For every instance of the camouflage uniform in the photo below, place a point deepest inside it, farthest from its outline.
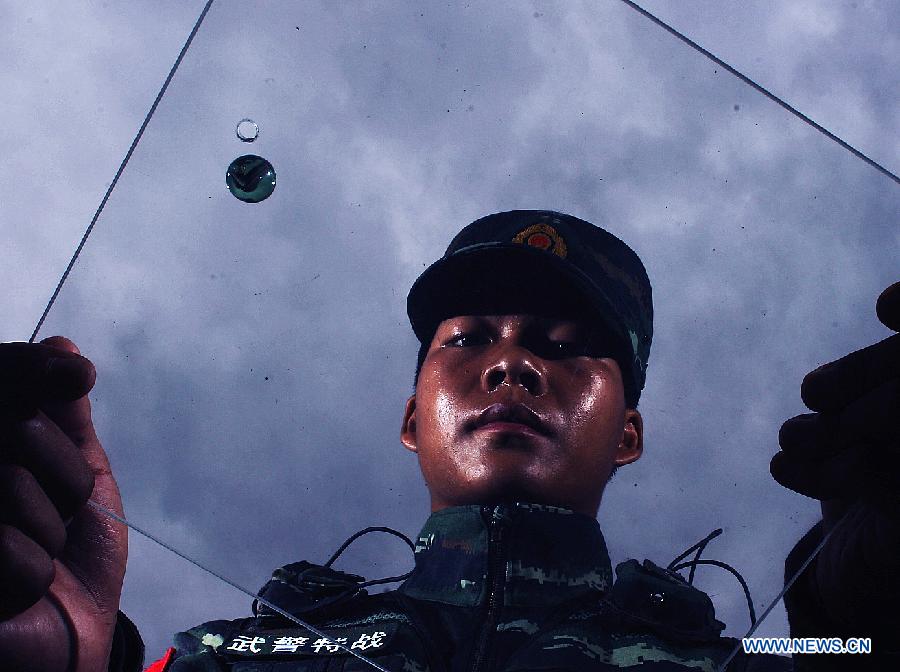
(518, 587)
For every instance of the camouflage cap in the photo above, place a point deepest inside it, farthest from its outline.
(522, 260)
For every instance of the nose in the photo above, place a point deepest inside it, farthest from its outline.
(513, 365)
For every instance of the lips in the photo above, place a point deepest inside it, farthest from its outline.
(518, 414)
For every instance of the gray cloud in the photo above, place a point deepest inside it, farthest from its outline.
(254, 360)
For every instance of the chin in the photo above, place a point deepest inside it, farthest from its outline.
(511, 492)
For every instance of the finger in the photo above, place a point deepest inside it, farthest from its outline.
(61, 343)
(888, 307)
(26, 571)
(58, 465)
(810, 436)
(96, 546)
(31, 373)
(882, 487)
(73, 417)
(85, 375)
(833, 386)
(839, 477)
(873, 419)
(25, 506)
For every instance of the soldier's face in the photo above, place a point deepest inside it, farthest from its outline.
(519, 407)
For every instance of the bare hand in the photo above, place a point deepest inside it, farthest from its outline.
(61, 562)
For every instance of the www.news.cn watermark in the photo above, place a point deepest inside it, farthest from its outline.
(800, 645)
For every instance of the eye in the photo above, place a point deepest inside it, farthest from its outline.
(466, 340)
(564, 349)
(551, 349)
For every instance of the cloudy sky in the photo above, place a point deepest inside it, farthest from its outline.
(254, 359)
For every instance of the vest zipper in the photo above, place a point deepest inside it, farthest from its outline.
(496, 579)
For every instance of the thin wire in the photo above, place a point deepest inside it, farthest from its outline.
(724, 565)
(112, 185)
(291, 617)
(768, 94)
(256, 597)
(787, 586)
(699, 545)
(694, 565)
(797, 113)
(65, 275)
(357, 535)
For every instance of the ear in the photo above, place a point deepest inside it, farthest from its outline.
(408, 430)
(631, 447)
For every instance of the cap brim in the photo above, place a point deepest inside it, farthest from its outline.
(505, 278)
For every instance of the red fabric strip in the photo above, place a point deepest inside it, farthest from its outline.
(163, 663)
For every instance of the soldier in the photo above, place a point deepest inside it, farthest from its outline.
(535, 332)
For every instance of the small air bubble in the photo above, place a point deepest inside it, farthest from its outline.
(247, 130)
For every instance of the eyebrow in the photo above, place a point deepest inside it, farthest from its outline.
(543, 322)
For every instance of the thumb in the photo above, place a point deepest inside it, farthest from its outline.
(71, 377)
(74, 418)
(61, 343)
(97, 546)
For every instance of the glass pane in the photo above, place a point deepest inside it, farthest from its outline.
(254, 359)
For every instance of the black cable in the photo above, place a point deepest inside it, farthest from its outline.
(357, 535)
(373, 582)
(768, 94)
(694, 563)
(112, 185)
(389, 579)
(731, 569)
(699, 545)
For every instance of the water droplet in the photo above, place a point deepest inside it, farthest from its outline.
(250, 178)
(247, 130)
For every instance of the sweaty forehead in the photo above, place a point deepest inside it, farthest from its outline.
(505, 296)
(518, 320)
